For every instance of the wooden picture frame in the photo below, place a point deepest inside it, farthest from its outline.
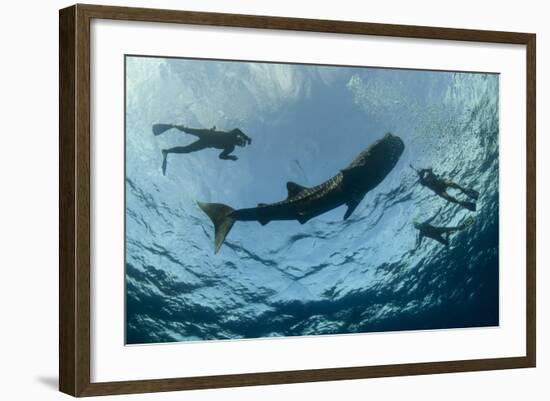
(74, 199)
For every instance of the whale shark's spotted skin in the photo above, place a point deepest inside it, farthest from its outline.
(348, 187)
(312, 193)
(307, 203)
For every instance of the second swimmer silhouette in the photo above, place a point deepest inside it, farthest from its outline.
(440, 234)
(208, 138)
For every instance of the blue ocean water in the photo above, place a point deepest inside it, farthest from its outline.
(327, 276)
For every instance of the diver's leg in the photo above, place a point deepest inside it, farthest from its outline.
(446, 233)
(439, 238)
(197, 145)
(225, 154)
(449, 230)
(198, 132)
(468, 205)
(448, 197)
(472, 193)
(451, 184)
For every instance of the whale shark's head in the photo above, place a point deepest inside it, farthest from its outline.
(383, 153)
(392, 146)
(375, 163)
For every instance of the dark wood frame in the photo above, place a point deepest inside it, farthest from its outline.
(74, 199)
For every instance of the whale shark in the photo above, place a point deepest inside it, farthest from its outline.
(348, 187)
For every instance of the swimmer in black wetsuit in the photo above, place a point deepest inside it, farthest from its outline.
(208, 138)
(440, 234)
(440, 186)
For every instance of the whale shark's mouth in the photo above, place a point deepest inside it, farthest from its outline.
(395, 144)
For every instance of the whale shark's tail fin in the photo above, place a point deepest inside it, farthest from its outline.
(220, 216)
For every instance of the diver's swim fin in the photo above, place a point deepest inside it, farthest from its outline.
(161, 128)
(219, 214)
(164, 161)
(469, 205)
(472, 193)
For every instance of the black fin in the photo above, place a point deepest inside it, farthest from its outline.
(161, 128)
(219, 214)
(472, 193)
(262, 204)
(293, 189)
(302, 218)
(352, 204)
(469, 205)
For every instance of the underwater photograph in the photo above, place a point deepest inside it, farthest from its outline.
(268, 200)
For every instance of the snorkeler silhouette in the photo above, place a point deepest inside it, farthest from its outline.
(440, 234)
(440, 186)
(208, 138)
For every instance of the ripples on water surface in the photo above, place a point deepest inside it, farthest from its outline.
(327, 276)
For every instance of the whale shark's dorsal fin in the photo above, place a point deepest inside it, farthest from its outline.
(294, 189)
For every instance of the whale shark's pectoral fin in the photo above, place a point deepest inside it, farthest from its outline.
(294, 189)
(352, 204)
(303, 218)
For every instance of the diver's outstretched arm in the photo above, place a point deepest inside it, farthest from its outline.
(415, 170)
(418, 173)
(248, 139)
(419, 239)
(200, 132)
(225, 154)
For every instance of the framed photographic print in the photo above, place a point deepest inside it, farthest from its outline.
(250, 200)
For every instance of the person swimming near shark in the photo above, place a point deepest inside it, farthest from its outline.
(439, 185)
(208, 138)
(440, 234)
